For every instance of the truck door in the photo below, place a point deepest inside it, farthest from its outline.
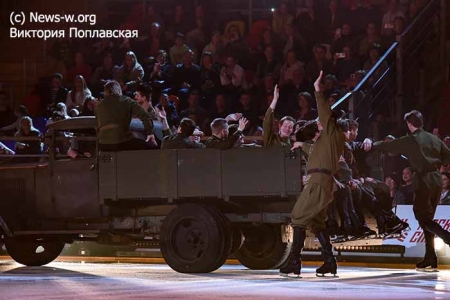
(74, 181)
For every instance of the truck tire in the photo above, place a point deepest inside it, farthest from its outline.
(263, 248)
(33, 252)
(193, 239)
(226, 233)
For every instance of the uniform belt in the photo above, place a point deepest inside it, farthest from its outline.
(109, 126)
(319, 170)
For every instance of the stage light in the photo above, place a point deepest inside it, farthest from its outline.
(438, 244)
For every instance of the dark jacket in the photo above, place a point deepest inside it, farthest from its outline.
(190, 75)
(223, 144)
(179, 141)
(425, 152)
(114, 115)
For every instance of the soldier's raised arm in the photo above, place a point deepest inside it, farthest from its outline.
(323, 106)
(269, 117)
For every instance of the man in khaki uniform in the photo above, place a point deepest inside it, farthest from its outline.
(426, 153)
(286, 126)
(310, 209)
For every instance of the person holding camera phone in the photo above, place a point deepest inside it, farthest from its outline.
(345, 65)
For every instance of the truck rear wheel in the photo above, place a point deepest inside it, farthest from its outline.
(263, 247)
(195, 239)
(33, 252)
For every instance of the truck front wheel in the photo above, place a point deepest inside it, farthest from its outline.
(263, 248)
(195, 239)
(37, 252)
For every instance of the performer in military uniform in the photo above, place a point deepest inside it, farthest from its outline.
(221, 139)
(286, 126)
(310, 209)
(426, 153)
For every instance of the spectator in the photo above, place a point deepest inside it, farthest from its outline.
(247, 108)
(194, 109)
(393, 12)
(236, 46)
(196, 38)
(155, 42)
(178, 49)
(181, 139)
(372, 37)
(267, 67)
(89, 107)
(344, 37)
(333, 98)
(319, 63)
(7, 116)
(77, 96)
(51, 94)
(294, 42)
(232, 75)
(114, 115)
(220, 109)
(330, 85)
(374, 56)
(142, 96)
(407, 189)
(28, 147)
(305, 20)
(285, 127)
(332, 19)
(103, 74)
(361, 13)
(151, 17)
(100, 50)
(268, 38)
(20, 112)
(305, 113)
(130, 74)
(436, 132)
(161, 70)
(59, 113)
(290, 66)
(215, 47)
(210, 78)
(346, 66)
(281, 19)
(393, 181)
(445, 194)
(221, 139)
(80, 68)
(390, 36)
(169, 108)
(179, 23)
(186, 77)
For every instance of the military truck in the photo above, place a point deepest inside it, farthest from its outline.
(199, 206)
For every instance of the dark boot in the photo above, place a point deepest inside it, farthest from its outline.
(294, 262)
(429, 262)
(330, 265)
(366, 231)
(395, 225)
